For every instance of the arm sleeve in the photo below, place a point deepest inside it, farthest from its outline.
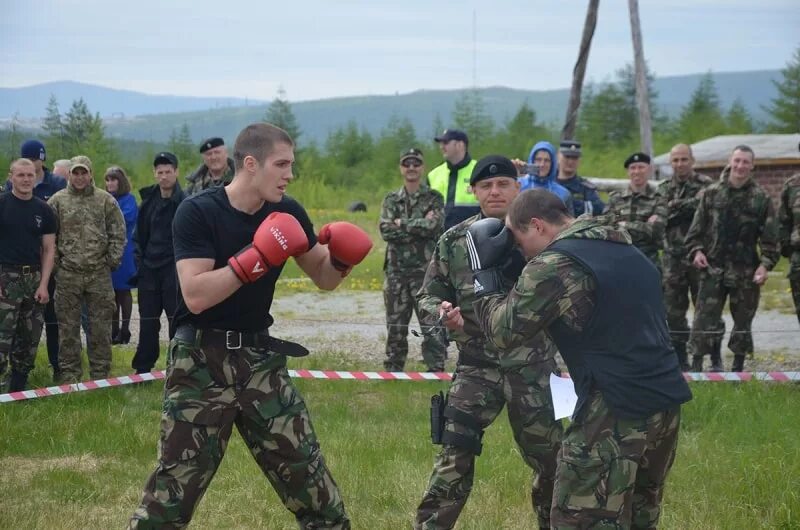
(115, 228)
(49, 220)
(432, 227)
(785, 223)
(768, 242)
(436, 287)
(389, 230)
(694, 237)
(190, 233)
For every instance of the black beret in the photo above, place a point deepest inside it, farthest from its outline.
(637, 157)
(165, 157)
(493, 166)
(211, 143)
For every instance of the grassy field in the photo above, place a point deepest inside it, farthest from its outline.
(80, 460)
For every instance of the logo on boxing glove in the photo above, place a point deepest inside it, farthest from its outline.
(279, 237)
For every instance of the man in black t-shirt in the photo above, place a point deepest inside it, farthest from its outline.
(27, 249)
(223, 367)
(157, 279)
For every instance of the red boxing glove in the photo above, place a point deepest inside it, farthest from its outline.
(279, 237)
(347, 244)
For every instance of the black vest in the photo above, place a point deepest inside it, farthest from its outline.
(625, 350)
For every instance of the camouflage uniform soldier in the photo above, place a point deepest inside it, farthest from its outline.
(486, 378)
(734, 216)
(216, 169)
(411, 222)
(789, 219)
(223, 367)
(89, 245)
(680, 279)
(27, 248)
(640, 209)
(601, 302)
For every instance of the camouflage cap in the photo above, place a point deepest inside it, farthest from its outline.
(80, 161)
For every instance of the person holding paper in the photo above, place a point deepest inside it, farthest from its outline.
(600, 300)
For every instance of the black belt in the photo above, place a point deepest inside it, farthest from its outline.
(236, 340)
(24, 269)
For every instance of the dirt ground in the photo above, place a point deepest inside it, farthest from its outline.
(352, 323)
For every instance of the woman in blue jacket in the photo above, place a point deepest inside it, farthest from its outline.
(118, 185)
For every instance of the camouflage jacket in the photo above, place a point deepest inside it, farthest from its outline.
(634, 209)
(449, 278)
(789, 220)
(728, 226)
(552, 286)
(681, 199)
(91, 229)
(201, 179)
(409, 246)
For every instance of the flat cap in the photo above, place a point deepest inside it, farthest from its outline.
(637, 157)
(570, 148)
(412, 153)
(493, 166)
(211, 143)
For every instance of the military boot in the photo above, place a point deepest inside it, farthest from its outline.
(680, 351)
(738, 363)
(17, 381)
(716, 357)
(697, 363)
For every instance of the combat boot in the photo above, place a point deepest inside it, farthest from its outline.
(697, 363)
(738, 363)
(17, 381)
(680, 351)
(716, 357)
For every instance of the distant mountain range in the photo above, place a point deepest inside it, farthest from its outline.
(132, 115)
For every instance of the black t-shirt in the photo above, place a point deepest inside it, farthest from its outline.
(22, 225)
(207, 226)
(158, 252)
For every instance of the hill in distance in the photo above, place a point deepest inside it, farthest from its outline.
(318, 118)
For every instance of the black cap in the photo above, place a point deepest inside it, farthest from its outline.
(493, 166)
(637, 157)
(452, 134)
(165, 157)
(211, 143)
(570, 148)
(412, 153)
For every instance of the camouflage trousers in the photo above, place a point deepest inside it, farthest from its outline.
(743, 295)
(20, 322)
(681, 282)
(73, 290)
(794, 281)
(478, 396)
(612, 471)
(399, 298)
(209, 390)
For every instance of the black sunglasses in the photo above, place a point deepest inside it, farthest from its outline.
(412, 163)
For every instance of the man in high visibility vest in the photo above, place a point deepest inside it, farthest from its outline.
(451, 178)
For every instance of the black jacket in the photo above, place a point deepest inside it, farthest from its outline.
(143, 230)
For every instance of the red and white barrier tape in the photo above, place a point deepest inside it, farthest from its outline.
(358, 376)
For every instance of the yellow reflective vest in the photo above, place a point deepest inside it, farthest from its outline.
(464, 203)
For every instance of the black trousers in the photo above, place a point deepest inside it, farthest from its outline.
(51, 325)
(158, 291)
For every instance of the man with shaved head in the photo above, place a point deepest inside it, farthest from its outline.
(680, 279)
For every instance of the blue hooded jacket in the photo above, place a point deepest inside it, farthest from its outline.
(127, 268)
(548, 182)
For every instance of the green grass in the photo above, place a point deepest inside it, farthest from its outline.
(80, 460)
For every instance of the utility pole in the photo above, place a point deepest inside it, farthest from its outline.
(642, 99)
(578, 73)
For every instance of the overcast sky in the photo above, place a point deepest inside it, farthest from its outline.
(318, 49)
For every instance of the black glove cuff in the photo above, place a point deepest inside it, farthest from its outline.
(486, 282)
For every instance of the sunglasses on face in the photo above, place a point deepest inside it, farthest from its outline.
(411, 163)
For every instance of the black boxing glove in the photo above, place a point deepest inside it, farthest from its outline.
(489, 244)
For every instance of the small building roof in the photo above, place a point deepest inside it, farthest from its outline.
(770, 149)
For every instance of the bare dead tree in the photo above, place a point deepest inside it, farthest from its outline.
(642, 100)
(568, 132)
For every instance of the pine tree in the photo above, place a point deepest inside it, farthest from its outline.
(738, 119)
(180, 143)
(785, 108)
(53, 124)
(702, 117)
(280, 113)
(470, 115)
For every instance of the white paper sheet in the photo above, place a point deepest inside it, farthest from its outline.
(564, 398)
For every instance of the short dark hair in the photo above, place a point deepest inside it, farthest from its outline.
(258, 140)
(538, 203)
(746, 149)
(118, 174)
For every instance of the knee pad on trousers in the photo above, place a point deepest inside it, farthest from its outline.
(471, 439)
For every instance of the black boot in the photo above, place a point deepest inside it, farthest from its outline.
(17, 381)
(738, 363)
(716, 357)
(680, 351)
(697, 363)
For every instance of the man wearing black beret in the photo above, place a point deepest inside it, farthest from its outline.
(216, 169)
(640, 209)
(487, 378)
